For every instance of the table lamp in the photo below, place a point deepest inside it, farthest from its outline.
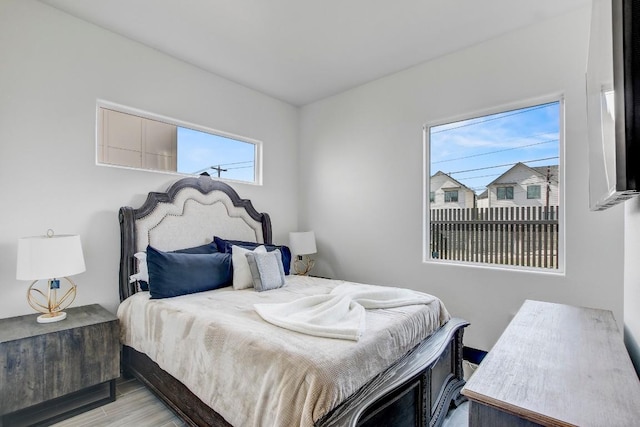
(302, 244)
(50, 258)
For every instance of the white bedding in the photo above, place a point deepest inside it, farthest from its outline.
(254, 373)
(340, 313)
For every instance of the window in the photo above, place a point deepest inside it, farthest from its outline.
(533, 191)
(135, 139)
(505, 193)
(432, 196)
(515, 224)
(451, 196)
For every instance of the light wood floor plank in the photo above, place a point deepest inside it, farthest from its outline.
(135, 405)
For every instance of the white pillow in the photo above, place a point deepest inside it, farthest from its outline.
(242, 278)
(143, 274)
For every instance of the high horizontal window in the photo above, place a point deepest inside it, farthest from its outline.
(135, 139)
(505, 167)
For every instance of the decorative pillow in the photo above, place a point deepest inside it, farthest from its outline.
(225, 246)
(241, 273)
(174, 273)
(142, 276)
(266, 270)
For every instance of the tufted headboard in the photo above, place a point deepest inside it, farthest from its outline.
(189, 214)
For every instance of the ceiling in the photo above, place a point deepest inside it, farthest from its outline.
(301, 51)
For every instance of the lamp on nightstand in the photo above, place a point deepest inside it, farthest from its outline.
(302, 244)
(52, 258)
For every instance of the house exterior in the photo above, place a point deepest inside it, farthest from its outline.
(448, 193)
(523, 185)
(482, 201)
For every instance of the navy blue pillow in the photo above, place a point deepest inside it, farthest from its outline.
(173, 273)
(225, 246)
(209, 248)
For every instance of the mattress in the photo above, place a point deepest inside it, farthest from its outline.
(254, 373)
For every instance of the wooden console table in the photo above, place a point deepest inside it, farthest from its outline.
(556, 365)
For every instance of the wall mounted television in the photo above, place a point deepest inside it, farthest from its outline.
(613, 102)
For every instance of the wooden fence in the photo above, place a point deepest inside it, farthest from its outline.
(522, 236)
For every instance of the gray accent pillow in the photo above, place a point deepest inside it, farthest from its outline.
(267, 271)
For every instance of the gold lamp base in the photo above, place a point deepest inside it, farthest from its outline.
(46, 301)
(303, 265)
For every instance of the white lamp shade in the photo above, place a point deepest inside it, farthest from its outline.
(302, 242)
(43, 257)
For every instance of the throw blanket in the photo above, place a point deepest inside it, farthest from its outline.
(255, 374)
(341, 313)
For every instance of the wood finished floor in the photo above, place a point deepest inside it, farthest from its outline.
(136, 406)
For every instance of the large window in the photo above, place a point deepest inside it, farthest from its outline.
(507, 168)
(136, 139)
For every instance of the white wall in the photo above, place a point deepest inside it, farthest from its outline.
(52, 69)
(632, 280)
(362, 188)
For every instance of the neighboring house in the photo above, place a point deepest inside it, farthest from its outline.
(523, 185)
(482, 201)
(448, 193)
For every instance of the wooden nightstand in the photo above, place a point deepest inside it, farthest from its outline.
(56, 370)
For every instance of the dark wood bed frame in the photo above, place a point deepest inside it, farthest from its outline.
(416, 391)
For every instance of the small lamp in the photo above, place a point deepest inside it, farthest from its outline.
(50, 257)
(303, 244)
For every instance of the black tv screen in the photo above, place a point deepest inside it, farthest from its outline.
(613, 85)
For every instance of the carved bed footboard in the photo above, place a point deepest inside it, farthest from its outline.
(416, 391)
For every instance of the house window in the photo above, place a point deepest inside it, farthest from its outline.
(505, 193)
(432, 196)
(478, 156)
(450, 196)
(136, 139)
(533, 191)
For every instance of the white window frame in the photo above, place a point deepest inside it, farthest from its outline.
(450, 193)
(426, 255)
(506, 195)
(258, 155)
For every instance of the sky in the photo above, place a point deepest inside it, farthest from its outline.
(478, 150)
(199, 151)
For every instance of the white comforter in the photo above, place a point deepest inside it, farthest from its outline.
(254, 373)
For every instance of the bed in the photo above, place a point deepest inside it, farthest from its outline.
(415, 388)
